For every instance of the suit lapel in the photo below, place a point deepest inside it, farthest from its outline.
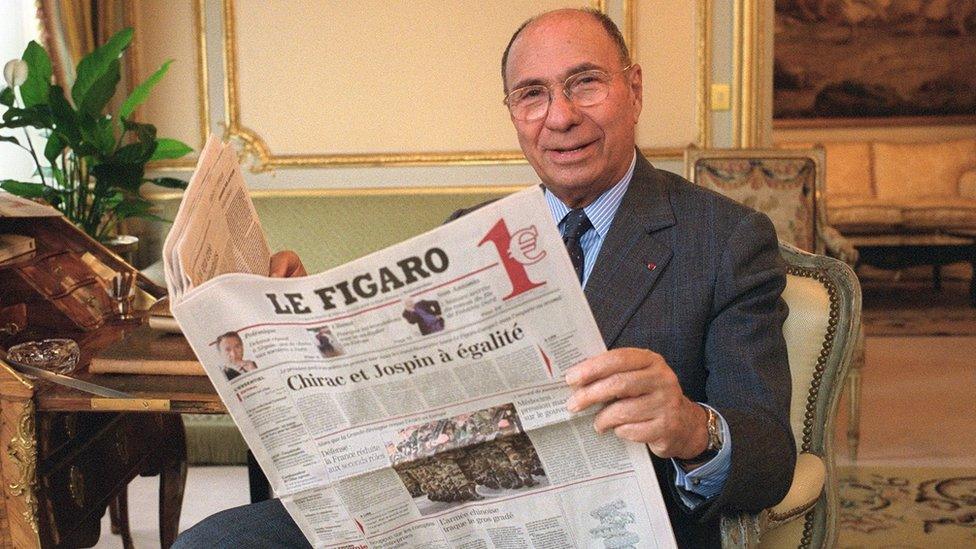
(631, 258)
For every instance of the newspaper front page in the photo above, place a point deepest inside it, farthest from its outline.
(415, 397)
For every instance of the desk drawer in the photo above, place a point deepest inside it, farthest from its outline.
(59, 432)
(77, 488)
(57, 274)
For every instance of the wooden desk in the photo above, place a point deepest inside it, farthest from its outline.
(66, 455)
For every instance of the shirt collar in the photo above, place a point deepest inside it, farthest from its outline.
(602, 210)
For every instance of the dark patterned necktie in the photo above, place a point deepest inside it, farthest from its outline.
(575, 225)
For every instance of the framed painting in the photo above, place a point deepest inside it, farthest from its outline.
(874, 62)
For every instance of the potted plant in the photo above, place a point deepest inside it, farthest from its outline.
(95, 160)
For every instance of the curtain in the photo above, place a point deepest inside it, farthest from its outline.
(73, 28)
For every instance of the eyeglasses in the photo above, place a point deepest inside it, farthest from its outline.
(584, 89)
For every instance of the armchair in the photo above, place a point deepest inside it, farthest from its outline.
(821, 332)
(786, 185)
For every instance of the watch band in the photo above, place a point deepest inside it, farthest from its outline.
(714, 440)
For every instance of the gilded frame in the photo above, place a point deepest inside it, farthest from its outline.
(923, 36)
(264, 159)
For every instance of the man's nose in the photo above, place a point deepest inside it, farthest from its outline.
(563, 113)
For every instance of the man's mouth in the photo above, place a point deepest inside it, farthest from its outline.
(570, 152)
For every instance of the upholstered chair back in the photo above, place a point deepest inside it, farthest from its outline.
(824, 301)
(786, 185)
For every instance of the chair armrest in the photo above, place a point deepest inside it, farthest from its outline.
(967, 184)
(808, 483)
(837, 246)
(743, 530)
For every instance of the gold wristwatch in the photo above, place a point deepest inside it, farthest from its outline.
(714, 440)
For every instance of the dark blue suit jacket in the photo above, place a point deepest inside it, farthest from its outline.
(697, 278)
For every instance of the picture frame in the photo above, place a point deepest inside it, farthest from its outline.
(843, 63)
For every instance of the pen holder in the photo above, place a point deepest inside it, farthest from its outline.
(122, 295)
(123, 307)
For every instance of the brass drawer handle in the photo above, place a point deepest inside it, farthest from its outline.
(10, 328)
(90, 300)
(58, 269)
(76, 485)
(121, 449)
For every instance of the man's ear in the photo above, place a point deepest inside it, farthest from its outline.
(636, 83)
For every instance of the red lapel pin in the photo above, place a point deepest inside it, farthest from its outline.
(651, 266)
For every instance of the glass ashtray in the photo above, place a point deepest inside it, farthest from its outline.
(54, 355)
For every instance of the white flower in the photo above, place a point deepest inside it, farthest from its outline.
(15, 72)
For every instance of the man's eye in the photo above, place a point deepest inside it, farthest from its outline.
(586, 79)
(532, 93)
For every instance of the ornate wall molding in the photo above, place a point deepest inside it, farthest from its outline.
(263, 159)
(749, 68)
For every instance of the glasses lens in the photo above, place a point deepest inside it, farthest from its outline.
(529, 103)
(588, 88)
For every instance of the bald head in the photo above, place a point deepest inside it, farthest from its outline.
(608, 26)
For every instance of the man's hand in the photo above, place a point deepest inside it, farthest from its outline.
(644, 402)
(286, 264)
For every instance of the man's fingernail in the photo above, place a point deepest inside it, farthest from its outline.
(571, 405)
(572, 377)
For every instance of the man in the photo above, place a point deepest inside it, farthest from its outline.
(231, 348)
(426, 314)
(684, 284)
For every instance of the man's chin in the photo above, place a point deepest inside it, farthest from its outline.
(573, 186)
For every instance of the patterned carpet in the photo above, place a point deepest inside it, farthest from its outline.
(912, 307)
(907, 508)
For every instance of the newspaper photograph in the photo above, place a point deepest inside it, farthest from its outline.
(415, 397)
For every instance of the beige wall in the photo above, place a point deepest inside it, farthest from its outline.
(167, 30)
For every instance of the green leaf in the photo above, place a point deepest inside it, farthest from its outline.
(97, 133)
(146, 133)
(168, 182)
(118, 175)
(141, 92)
(54, 147)
(38, 116)
(9, 139)
(32, 190)
(94, 65)
(114, 200)
(24, 189)
(133, 153)
(7, 97)
(65, 119)
(133, 207)
(170, 148)
(101, 90)
(35, 90)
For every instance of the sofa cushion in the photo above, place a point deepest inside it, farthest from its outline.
(967, 184)
(848, 170)
(854, 214)
(906, 171)
(941, 213)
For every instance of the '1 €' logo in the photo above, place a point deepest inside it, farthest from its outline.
(516, 251)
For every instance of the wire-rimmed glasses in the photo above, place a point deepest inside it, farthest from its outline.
(584, 89)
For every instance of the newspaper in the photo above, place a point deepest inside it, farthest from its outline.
(413, 397)
(216, 230)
